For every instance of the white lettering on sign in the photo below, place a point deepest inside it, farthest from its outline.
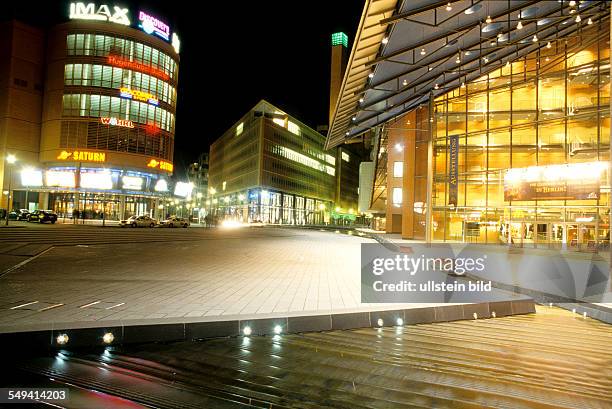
(89, 11)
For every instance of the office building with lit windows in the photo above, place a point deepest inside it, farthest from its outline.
(272, 168)
(91, 112)
(490, 121)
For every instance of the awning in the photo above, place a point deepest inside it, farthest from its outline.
(409, 51)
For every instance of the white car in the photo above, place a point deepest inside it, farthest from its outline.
(174, 222)
(139, 221)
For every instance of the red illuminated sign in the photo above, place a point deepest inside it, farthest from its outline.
(133, 65)
(125, 123)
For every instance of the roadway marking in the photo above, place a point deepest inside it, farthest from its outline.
(90, 304)
(118, 305)
(50, 307)
(23, 263)
(23, 305)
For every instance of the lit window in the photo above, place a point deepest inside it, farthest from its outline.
(345, 157)
(397, 195)
(224, 183)
(293, 128)
(239, 128)
(330, 159)
(279, 121)
(398, 169)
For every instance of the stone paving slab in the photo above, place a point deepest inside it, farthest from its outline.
(238, 274)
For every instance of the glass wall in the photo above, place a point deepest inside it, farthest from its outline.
(86, 105)
(267, 206)
(96, 75)
(104, 45)
(548, 108)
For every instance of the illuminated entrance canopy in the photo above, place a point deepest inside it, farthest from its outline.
(138, 95)
(103, 12)
(82, 156)
(578, 181)
(125, 123)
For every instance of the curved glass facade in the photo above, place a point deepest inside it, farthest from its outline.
(96, 75)
(103, 45)
(548, 108)
(92, 105)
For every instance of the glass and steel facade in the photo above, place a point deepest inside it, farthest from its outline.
(271, 168)
(108, 119)
(548, 109)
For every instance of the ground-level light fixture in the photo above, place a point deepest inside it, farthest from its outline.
(423, 52)
(108, 338)
(247, 331)
(578, 19)
(399, 322)
(62, 339)
(380, 322)
(488, 20)
(519, 26)
(448, 6)
(278, 329)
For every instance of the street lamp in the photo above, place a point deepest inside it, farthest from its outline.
(10, 159)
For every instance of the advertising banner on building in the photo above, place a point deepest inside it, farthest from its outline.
(453, 169)
(580, 181)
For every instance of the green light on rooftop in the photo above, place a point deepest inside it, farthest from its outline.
(339, 39)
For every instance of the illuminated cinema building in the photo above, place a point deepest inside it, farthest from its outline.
(272, 168)
(90, 113)
(490, 120)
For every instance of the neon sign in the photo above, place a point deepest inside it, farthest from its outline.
(125, 123)
(161, 165)
(152, 25)
(132, 65)
(89, 11)
(138, 95)
(82, 156)
(176, 43)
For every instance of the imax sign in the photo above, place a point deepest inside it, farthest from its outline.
(103, 12)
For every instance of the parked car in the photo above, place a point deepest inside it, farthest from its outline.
(174, 222)
(22, 214)
(42, 216)
(138, 221)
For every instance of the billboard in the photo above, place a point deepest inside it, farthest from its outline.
(579, 181)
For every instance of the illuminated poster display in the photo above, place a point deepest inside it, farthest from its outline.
(453, 169)
(103, 12)
(579, 181)
(153, 25)
(138, 95)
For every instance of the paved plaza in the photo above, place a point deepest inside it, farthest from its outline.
(80, 276)
(161, 275)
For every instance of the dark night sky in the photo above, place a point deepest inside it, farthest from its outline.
(235, 53)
